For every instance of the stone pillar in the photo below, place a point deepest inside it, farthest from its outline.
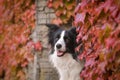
(41, 67)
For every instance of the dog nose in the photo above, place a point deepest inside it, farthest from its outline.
(58, 46)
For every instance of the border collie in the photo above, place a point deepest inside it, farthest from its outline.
(63, 56)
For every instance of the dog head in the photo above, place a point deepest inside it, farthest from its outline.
(62, 41)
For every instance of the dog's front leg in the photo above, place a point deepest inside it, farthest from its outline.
(63, 75)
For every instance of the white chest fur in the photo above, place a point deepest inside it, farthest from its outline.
(68, 68)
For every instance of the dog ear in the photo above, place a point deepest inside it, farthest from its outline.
(73, 31)
(52, 30)
(52, 27)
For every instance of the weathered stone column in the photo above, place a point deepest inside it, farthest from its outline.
(41, 68)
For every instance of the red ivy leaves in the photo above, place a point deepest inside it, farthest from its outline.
(79, 18)
(17, 20)
(37, 46)
(97, 33)
(63, 9)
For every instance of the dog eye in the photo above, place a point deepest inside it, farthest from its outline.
(58, 36)
(66, 39)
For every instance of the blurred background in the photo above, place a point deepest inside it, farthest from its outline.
(24, 49)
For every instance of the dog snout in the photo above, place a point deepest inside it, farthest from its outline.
(58, 46)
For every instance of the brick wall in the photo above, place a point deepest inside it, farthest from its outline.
(44, 14)
(41, 68)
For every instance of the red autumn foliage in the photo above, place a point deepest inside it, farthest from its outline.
(17, 20)
(98, 27)
(63, 9)
(37, 46)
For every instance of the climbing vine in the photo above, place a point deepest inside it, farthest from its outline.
(64, 9)
(17, 20)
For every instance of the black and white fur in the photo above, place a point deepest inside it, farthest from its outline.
(63, 56)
